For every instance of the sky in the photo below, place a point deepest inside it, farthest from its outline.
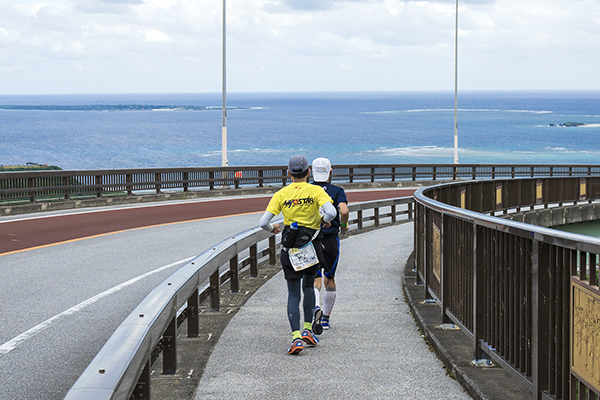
(175, 46)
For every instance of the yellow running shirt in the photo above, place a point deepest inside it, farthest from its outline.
(299, 202)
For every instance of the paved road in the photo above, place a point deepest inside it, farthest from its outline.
(62, 298)
(24, 232)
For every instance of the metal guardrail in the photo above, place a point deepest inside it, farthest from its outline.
(121, 370)
(523, 294)
(35, 185)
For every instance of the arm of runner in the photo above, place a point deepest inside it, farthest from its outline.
(265, 223)
(344, 216)
(330, 214)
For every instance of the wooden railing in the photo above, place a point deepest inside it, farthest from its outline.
(36, 186)
(526, 295)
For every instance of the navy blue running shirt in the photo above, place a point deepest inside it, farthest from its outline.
(338, 196)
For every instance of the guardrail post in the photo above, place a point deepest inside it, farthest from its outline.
(234, 275)
(478, 294)
(393, 212)
(351, 175)
(67, 191)
(193, 321)
(157, 182)
(254, 261)
(410, 211)
(142, 388)
(211, 180)
(445, 242)
(169, 341)
(434, 173)
(540, 317)
(185, 181)
(31, 185)
(215, 294)
(393, 174)
(129, 184)
(260, 178)
(359, 219)
(474, 173)
(376, 212)
(98, 185)
(272, 251)
(372, 174)
(414, 173)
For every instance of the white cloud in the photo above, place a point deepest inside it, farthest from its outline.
(153, 35)
(289, 45)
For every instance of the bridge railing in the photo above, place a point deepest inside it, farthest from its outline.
(527, 296)
(121, 370)
(33, 186)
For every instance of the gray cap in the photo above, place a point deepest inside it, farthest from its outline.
(297, 165)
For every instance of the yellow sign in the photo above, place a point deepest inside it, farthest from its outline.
(437, 248)
(539, 192)
(498, 196)
(585, 332)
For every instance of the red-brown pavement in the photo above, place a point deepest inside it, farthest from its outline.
(24, 234)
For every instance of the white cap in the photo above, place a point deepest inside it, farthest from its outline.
(321, 167)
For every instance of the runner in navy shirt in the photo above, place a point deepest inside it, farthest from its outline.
(329, 239)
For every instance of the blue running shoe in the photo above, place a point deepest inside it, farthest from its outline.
(325, 323)
(309, 338)
(317, 326)
(296, 347)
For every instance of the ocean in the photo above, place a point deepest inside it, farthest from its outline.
(267, 128)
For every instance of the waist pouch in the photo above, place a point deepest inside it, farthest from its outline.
(297, 238)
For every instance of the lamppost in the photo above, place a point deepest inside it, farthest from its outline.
(224, 161)
(456, 87)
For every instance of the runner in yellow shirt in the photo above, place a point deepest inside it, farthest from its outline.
(300, 203)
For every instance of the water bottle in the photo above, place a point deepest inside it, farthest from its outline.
(289, 236)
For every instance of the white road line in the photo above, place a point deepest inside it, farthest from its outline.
(13, 343)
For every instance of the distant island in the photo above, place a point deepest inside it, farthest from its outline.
(30, 166)
(570, 124)
(108, 107)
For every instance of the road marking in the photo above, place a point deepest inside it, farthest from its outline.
(13, 343)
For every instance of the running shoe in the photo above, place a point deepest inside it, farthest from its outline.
(296, 347)
(309, 338)
(325, 323)
(317, 326)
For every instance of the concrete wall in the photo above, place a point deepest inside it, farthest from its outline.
(558, 216)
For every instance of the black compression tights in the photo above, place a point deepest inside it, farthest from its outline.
(293, 305)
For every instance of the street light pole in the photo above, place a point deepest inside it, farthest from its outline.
(224, 161)
(456, 87)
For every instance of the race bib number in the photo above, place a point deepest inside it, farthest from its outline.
(303, 257)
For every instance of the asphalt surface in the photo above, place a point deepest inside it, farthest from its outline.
(70, 278)
(373, 350)
(25, 232)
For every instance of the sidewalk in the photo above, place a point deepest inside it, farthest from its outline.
(374, 349)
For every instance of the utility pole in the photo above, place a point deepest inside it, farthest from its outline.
(224, 161)
(456, 87)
